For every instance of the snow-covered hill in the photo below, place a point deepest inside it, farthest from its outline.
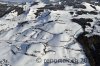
(48, 34)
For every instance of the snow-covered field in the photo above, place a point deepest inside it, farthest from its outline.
(46, 39)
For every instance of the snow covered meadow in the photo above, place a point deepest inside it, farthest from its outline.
(40, 34)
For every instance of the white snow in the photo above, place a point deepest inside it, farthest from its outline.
(49, 36)
(11, 15)
(88, 7)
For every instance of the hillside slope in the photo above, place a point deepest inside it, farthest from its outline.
(50, 35)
